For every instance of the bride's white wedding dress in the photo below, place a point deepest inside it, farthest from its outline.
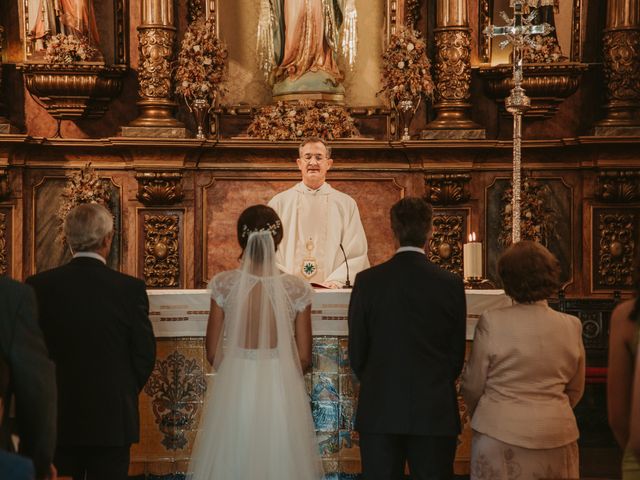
(257, 423)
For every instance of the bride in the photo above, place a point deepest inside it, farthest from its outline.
(257, 421)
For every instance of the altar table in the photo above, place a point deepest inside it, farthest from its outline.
(172, 399)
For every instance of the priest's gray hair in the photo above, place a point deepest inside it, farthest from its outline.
(86, 226)
(314, 140)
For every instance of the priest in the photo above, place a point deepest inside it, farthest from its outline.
(318, 220)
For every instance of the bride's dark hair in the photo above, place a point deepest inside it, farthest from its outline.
(256, 218)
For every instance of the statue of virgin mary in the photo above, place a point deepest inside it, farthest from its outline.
(298, 45)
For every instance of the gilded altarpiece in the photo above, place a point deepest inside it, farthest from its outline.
(450, 230)
(161, 246)
(5, 240)
(616, 239)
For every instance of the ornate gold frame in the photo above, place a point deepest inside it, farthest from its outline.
(120, 32)
(485, 19)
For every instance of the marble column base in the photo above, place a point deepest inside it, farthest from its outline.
(453, 134)
(155, 132)
(616, 131)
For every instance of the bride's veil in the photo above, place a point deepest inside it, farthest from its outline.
(256, 422)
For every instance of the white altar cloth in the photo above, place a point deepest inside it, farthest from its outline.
(184, 313)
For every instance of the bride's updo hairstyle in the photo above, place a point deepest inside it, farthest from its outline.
(259, 218)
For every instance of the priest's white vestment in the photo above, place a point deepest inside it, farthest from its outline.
(315, 223)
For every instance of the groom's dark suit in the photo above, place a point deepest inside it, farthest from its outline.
(406, 346)
(96, 326)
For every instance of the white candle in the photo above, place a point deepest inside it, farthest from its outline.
(472, 258)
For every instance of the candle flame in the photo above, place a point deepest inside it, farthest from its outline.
(472, 237)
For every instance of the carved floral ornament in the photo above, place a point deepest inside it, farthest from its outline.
(447, 189)
(622, 64)
(161, 250)
(154, 74)
(453, 67)
(445, 245)
(4, 261)
(616, 248)
(159, 188)
(618, 186)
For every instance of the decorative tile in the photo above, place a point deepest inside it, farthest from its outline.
(325, 387)
(347, 414)
(343, 355)
(330, 466)
(176, 386)
(349, 385)
(328, 444)
(349, 445)
(350, 476)
(325, 354)
(325, 416)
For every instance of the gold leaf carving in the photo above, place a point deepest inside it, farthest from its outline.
(445, 245)
(616, 248)
(447, 189)
(453, 65)
(622, 64)
(3, 244)
(618, 186)
(159, 188)
(161, 250)
(156, 50)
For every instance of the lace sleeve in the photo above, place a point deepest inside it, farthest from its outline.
(300, 292)
(221, 285)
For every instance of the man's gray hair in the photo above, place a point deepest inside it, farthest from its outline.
(86, 226)
(314, 140)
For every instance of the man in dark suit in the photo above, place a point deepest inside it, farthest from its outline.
(26, 362)
(406, 346)
(12, 465)
(96, 325)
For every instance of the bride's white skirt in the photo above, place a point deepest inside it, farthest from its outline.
(256, 423)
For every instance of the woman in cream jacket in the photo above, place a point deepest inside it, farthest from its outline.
(524, 376)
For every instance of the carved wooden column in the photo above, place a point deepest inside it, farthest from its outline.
(622, 69)
(156, 46)
(453, 74)
(5, 225)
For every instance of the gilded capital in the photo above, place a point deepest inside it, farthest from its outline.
(159, 188)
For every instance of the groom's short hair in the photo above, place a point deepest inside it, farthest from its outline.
(411, 221)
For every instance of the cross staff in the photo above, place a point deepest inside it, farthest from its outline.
(518, 31)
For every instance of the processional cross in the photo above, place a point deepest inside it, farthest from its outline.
(518, 31)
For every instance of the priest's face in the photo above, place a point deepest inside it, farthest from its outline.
(314, 164)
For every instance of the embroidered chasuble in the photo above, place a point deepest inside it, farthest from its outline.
(315, 223)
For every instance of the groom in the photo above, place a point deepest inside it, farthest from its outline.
(406, 346)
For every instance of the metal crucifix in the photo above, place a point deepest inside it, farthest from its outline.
(518, 31)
